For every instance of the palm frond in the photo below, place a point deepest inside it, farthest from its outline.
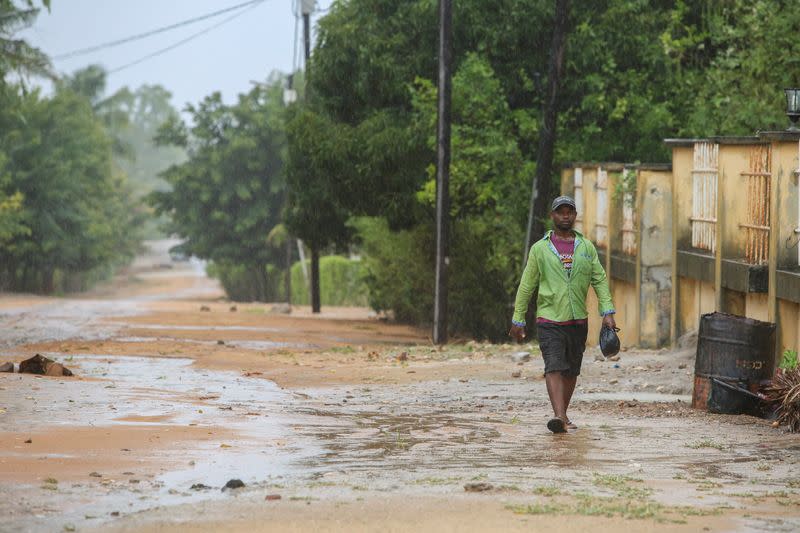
(12, 21)
(17, 55)
(784, 392)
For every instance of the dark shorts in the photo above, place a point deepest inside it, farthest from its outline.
(562, 347)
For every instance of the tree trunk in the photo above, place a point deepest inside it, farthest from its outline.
(48, 281)
(288, 280)
(259, 276)
(315, 307)
(543, 189)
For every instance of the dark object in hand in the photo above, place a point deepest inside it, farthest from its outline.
(609, 342)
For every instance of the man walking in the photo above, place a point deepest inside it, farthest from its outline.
(561, 266)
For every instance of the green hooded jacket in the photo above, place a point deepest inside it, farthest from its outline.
(562, 295)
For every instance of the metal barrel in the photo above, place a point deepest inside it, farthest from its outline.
(735, 350)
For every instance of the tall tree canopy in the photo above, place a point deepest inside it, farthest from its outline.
(635, 72)
(228, 196)
(16, 55)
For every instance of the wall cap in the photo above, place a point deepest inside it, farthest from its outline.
(779, 135)
(716, 139)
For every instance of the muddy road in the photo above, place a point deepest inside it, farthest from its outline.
(343, 422)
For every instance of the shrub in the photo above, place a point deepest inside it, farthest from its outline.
(341, 282)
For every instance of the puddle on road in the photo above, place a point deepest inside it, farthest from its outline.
(419, 437)
(247, 345)
(198, 328)
(148, 391)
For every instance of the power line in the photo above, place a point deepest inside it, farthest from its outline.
(84, 51)
(157, 53)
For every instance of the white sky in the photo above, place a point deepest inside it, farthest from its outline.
(248, 47)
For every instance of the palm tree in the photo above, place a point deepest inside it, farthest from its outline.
(16, 55)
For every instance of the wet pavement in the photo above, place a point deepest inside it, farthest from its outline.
(123, 445)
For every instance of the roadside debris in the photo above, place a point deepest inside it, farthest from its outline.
(233, 309)
(205, 308)
(281, 309)
(784, 393)
(521, 357)
(234, 484)
(272, 497)
(41, 365)
(200, 486)
(478, 487)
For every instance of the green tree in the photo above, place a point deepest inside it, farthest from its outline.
(73, 203)
(229, 194)
(16, 55)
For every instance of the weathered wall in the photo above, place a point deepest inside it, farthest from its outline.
(784, 164)
(682, 195)
(627, 317)
(788, 326)
(697, 298)
(733, 160)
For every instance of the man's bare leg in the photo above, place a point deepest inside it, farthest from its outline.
(569, 388)
(557, 391)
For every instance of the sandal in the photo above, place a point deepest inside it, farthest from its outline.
(556, 425)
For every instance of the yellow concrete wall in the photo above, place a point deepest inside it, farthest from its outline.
(624, 295)
(655, 217)
(733, 160)
(789, 326)
(756, 306)
(595, 321)
(734, 302)
(589, 202)
(784, 164)
(682, 157)
(697, 298)
(568, 181)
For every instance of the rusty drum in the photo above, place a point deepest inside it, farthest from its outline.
(732, 350)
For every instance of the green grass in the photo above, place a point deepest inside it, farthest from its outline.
(622, 485)
(539, 509)
(437, 480)
(584, 504)
(706, 443)
(547, 491)
(342, 349)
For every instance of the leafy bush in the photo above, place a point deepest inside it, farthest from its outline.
(246, 284)
(341, 282)
(481, 282)
(789, 360)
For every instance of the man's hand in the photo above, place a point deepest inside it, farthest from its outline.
(609, 321)
(517, 332)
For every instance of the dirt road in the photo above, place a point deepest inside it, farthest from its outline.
(343, 422)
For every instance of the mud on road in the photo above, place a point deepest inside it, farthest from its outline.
(343, 422)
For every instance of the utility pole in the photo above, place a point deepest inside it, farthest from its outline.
(307, 7)
(443, 174)
(288, 97)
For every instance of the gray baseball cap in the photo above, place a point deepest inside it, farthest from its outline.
(563, 200)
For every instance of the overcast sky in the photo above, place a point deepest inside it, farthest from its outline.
(225, 59)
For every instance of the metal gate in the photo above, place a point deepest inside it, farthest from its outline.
(704, 195)
(628, 225)
(757, 182)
